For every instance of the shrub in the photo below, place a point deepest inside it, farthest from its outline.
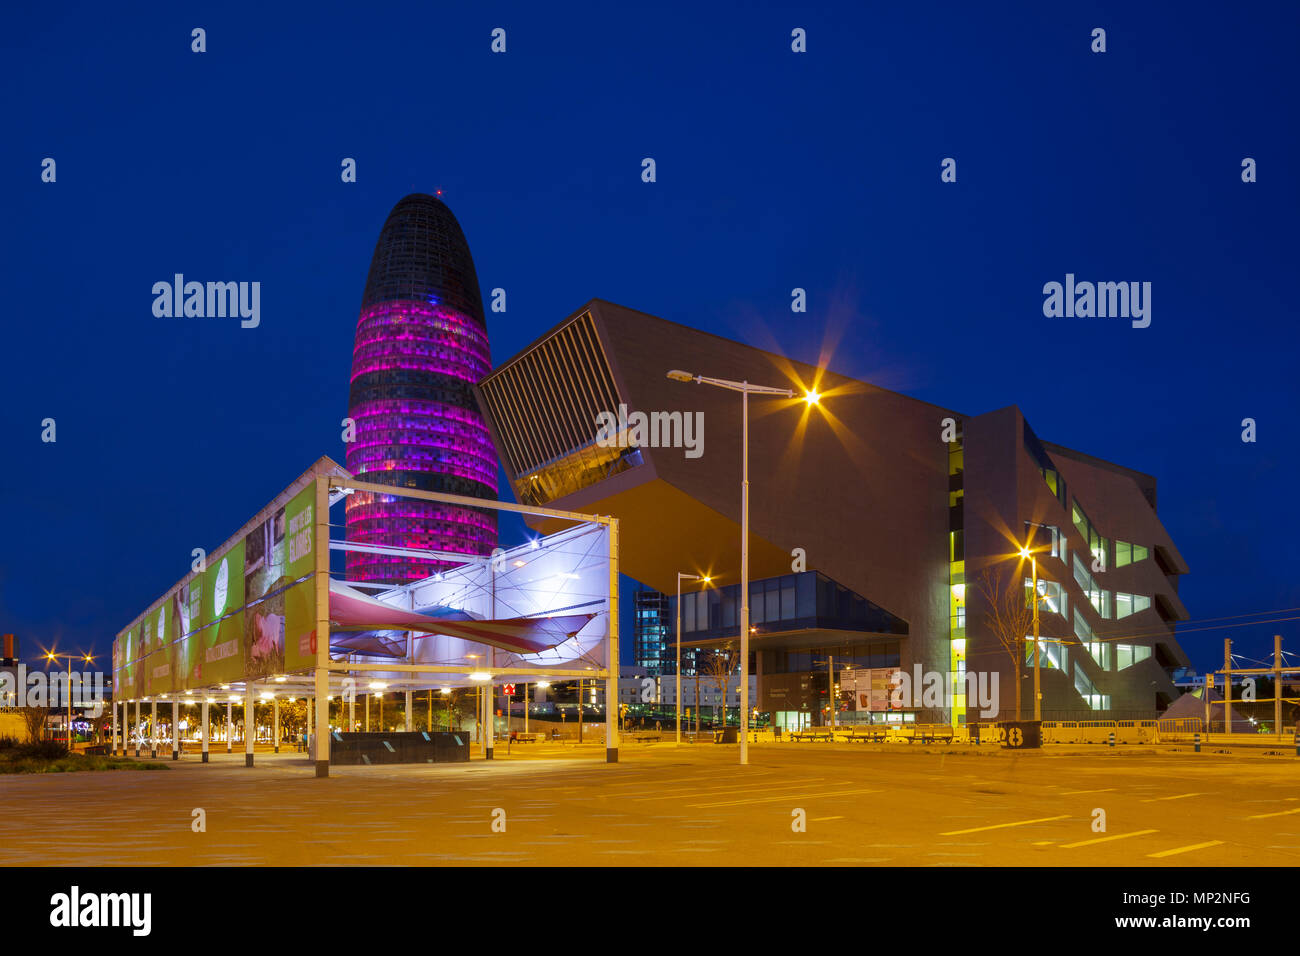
(43, 750)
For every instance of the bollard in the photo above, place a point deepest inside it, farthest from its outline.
(1112, 738)
(1197, 741)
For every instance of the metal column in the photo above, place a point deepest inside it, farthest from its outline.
(321, 552)
(611, 653)
(1277, 685)
(176, 730)
(485, 716)
(204, 731)
(250, 724)
(1227, 685)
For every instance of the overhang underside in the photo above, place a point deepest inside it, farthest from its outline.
(663, 530)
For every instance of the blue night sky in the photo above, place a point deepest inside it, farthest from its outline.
(775, 170)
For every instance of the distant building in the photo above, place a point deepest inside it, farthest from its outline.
(662, 690)
(651, 630)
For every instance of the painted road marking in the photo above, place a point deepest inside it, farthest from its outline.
(1000, 826)
(1070, 793)
(788, 796)
(1107, 839)
(724, 789)
(1280, 813)
(1186, 849)
(1179, 797)
(823, 819)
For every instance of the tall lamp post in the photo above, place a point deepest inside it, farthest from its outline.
(85, 659)
(680, 578)
(1038, 696)
(745, 389)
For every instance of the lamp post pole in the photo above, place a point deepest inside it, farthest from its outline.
(680, 578)
(745, 388)
(1025, 552)
(1038, 695)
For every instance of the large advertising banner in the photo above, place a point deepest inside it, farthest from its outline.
(873, 687)
(185, 610)
(221, 634)
(125, 651)
(264, 596)
(300, 599)
(160, 674)
(250, 614)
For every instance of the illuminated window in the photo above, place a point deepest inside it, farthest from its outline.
(1129, 654)
(1126, 553)
(1100, 653)
(1088, 691)
(1052, 655)
(1126, 604)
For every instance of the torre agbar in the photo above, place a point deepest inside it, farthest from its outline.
(421, 346)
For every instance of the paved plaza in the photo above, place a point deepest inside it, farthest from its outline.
(883, 805)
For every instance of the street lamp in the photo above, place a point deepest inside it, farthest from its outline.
(85, 659)
(745, 389)
(680, 578)
(1038, 697)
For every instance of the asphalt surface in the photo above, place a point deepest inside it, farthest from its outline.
(862, 804)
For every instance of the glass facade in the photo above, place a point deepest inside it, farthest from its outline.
(787, 603)
(1127, 553)
(421, 346)
(957, 579)
(653, 633)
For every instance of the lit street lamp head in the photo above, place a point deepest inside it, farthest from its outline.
(677, 375)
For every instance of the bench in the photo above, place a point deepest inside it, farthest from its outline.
(813, 735)
(931, 733)
(527, 738)
(869, 734)
(643, 737)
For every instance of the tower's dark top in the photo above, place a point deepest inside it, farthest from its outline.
(422, 254)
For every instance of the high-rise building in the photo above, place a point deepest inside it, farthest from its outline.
(912, 517)
(421, 346)
(651, 632)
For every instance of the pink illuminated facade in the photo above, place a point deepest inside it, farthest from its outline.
(421, 346)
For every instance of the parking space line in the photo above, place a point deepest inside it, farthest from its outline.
(1280, 813)
(724, 789)
(788, 796)
(1106, 839)
(1180, 796)
(1186, 849)
(1001, 826)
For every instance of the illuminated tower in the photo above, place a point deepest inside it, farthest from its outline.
(421, 346)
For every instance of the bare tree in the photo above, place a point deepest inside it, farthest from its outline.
(718, 667)
(34, 718)
(1010, 616)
